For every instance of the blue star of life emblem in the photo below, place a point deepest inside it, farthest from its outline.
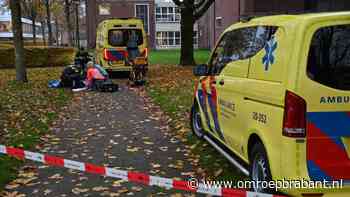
(269, 57)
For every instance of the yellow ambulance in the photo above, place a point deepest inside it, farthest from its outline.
(274, 99)
(112, 40)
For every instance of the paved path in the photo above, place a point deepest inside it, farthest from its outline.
(113, 129)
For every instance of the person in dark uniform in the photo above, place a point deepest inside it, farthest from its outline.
(132, 47)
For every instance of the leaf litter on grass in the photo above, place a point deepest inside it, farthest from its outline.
(26, 111)
(169, 92)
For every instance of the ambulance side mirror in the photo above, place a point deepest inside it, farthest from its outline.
(200, 70)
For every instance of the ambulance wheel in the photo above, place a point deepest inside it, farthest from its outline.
(196, 121)
(260, 169)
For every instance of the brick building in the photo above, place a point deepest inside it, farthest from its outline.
(162, 17)
(99, 10)
(168, 27)
(223, 13)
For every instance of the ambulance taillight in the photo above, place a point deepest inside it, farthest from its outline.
(294, 121)
(145, 53)
(105, 54)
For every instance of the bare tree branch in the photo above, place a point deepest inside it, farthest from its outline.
(191, 11)
(189, 4)
(177, 2)
(199, 4)
(201, 11)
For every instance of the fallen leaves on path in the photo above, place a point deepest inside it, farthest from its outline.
(135, 149)
(78, 191)
(99, 189)
(12, 194)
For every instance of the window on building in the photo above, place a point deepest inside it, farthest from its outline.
(27, 28)
(177, 14)
(329, 57)
(177, 38)
(172, 39)
(167, 39)
(168, 14)
(195, 38)
(104, 9)
(38, 29)
(142, 12)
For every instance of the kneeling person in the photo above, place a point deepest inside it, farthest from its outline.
(96, 75)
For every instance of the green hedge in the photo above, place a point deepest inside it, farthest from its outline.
(38, 56)
(25, 42)
(2, 45)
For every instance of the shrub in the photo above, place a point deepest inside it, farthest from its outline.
(25, 42)
(38, 56)
(2, 45)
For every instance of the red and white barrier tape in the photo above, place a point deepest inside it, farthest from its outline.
(129, 176)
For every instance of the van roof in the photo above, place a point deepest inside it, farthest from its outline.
(307, 16)
(123, 20)
(282, 20)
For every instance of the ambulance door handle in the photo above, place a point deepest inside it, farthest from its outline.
(222, 82)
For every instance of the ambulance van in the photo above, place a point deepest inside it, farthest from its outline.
(112, 40)
(274, 98)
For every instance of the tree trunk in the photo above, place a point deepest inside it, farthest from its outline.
(187, 23)
(57, 31)
(34, 30)
(43, 31)
(49, 26)
(77, 36)
(68, 22)
(191, 11)
(33, 13)
(21, 73)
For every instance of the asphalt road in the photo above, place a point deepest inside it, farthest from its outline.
(113, 129)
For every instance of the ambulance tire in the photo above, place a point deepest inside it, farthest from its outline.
(196, 122)
(260, 169)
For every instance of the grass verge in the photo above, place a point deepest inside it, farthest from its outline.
(26, 112)
(171, 87)
(172, 57)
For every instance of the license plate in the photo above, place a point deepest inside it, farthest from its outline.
(119, 62)
(140, 61)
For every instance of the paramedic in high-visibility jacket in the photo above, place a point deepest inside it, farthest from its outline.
(94, 75)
